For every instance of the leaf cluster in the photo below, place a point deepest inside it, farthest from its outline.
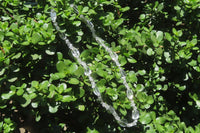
(158, 47)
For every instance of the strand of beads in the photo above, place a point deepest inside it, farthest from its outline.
(88, 72)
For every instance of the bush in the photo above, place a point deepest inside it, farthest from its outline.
(42, 84)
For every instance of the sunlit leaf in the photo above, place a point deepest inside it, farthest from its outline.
(73, 81)
(53, 109)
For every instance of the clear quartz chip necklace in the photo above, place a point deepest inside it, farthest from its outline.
(75, 52)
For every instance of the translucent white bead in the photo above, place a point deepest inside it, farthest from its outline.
(129, 94)
(99, 40)
(53, 15)
(90, 24)
(87, 71)
(75, 52)
(97, 92)
(131, 124)
(75, 9)
(122, 123)
(135, 114)
(111, 109)
(62, 36)
(123, 74)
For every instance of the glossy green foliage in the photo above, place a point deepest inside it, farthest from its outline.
(158, 46)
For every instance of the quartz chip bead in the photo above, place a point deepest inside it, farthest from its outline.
(122, 123)
(96, 91)
(99, 40)
(112, 110)
(87, 71)
(129, 94)
(123, 74)
(90, 24)
(53, 15)
(75, 52)
(135, 114)
(62, 36)
(56, 26)
(105, 105)
(75, 8)
(113, 55)
(131, 124)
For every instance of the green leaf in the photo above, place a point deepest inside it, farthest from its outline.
(197, 103)
(141, 72)
(17, 56)
(68, 98)
(110, 91)
(91, 131)
(142, 16)
(50, 51)
(123, 111)
(61, 66)
(20, 92)
(1, 36)
(145, 118)
(9, 34)
(175, 31)
(77, 23)
(28, 100)
(2, 71)
(51, 94)
(34, 104)
(73, 67)
(171, 112)
(60, 55)
(101, 72)
(118, 23)
(35, 84)
(81, 107)
(159, 36)
(36, 37)
(12, 79)
(61, 88)
(150, 100)
(79, 71)
(160, 7)
(25, 43)
(159, 51)
(2, 107)
(182, 88)
(44, 86)
(132, 76)
(13, 26)
(53, 109)
(36, 56)
(38, 117)
(142, 96)
(125, 9)
(85, 53)
(198, 58)
(122, 60)
(7, 95)
(160, 120)
(73, 81)
(132, 60)
(67, 90)
(85, 9)
(150, 51)
(82, 92)
(33, 95)
(57, 76)
(193, 63)
(168, 36)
